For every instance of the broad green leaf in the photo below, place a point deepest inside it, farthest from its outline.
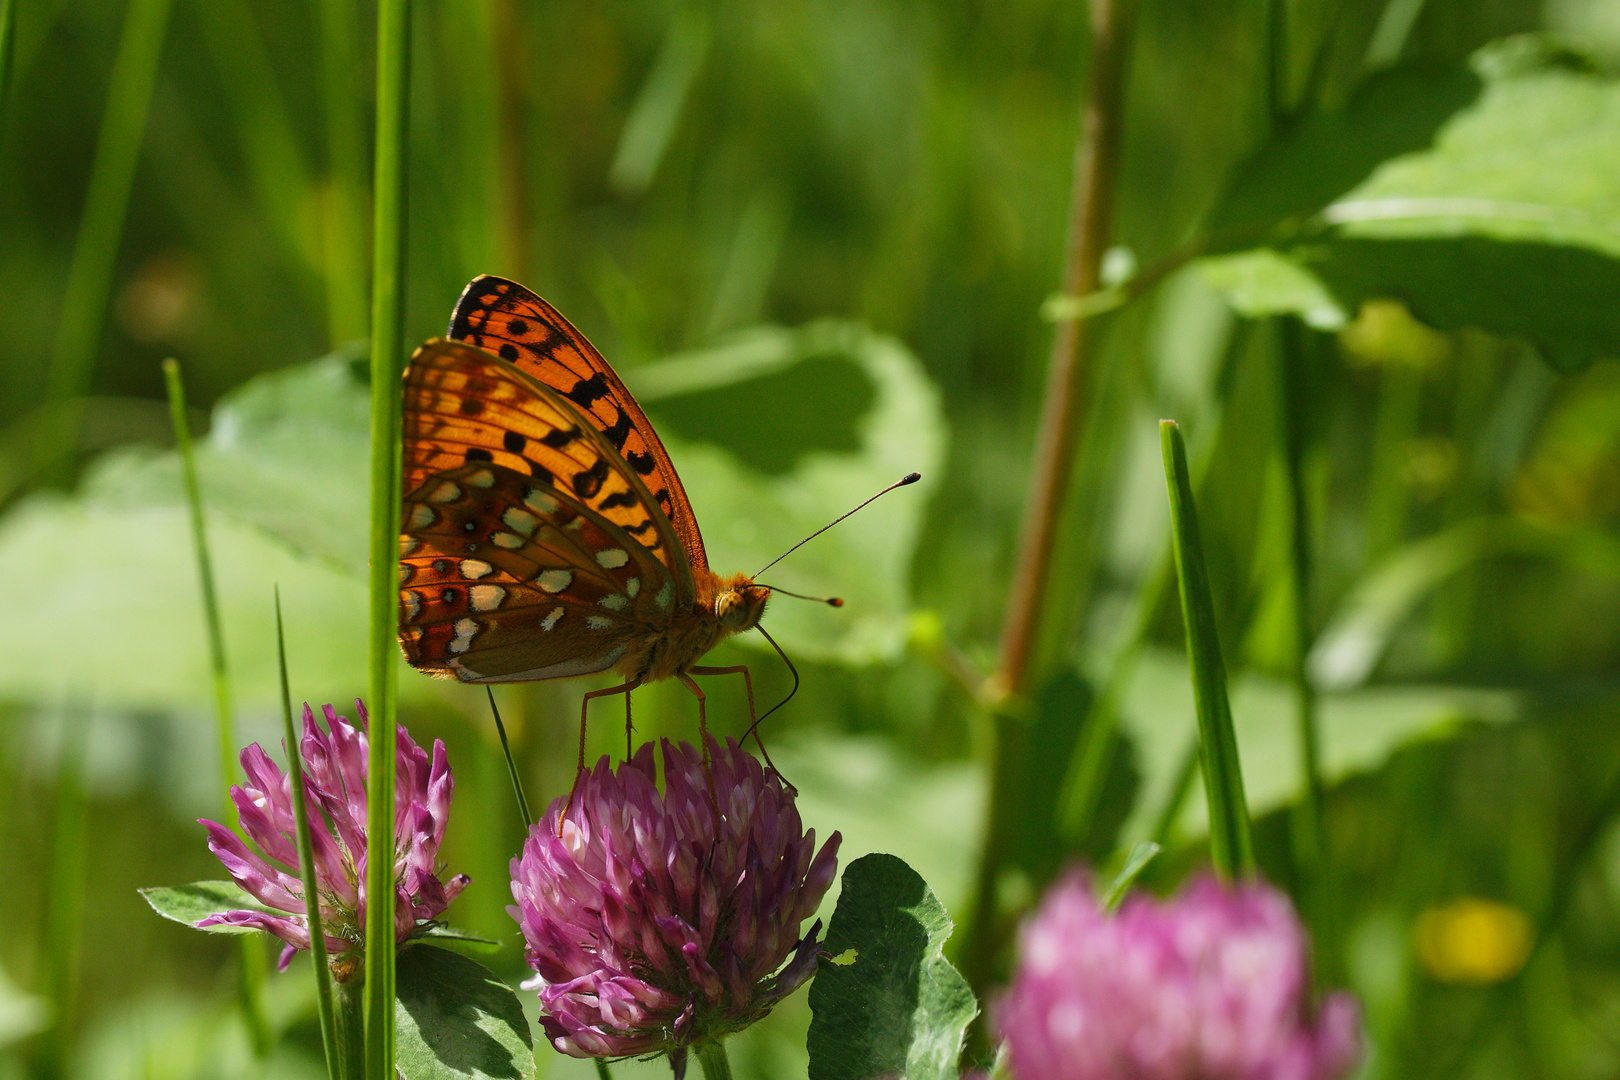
(1350, 646)
(885, 1001)
(21, 1014)
(455, 1019)
(450, 937)
(190, 903)
(1359, 730)
(1482, 197)
(283, 484)
(880, 800)
(800, 426)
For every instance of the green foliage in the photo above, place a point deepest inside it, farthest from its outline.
(890, 182)
(885, 999)
(1422, 188)
(190, 904)
(457, 1019)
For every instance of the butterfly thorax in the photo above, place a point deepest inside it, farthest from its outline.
(722, 607)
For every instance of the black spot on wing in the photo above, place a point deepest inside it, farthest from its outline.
(589, 482)
(665, 502)
(541, 473)
(513, 442)
(517, 327)
(471, 406)
(557, 438)
(509, 352)
(642, 463)
(478, 453)
(620, 430)
(618, 499)
(587, 392)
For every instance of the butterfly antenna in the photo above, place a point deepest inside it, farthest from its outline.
(830, 601)
(909, 478)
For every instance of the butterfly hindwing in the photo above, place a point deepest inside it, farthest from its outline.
(508, 320)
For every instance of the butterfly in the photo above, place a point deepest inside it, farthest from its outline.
(545, 531)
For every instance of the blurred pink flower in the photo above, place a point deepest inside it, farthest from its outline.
(335, 785)
(653, 926)
(1211, 985)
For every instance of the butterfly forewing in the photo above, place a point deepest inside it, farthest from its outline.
(524, 554)
(510, 321)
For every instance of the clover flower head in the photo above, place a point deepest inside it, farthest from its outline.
(655, 924)
(334, 764)
(1210, 985)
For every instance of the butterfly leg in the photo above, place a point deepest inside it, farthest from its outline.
(584, 707)
(753, 722)
(703, 737)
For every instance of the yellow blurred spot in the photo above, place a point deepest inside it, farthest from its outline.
(1384, 334)
(1472, 940)
(927, 630)
(843, 959)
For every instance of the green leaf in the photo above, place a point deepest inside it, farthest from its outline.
(456, 1019)
(885, 1000)
(191, 903)
(450, 937)
(1355, 639)
(1480, 197)
(1142, 854)
(1360, 729)
(283, 475)
(797, 427)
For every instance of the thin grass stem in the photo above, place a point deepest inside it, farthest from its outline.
(64, 916)
(1230, 842)
(306, 864)
(343, 224)
(101, 227)
(511, 766)
(252, 950)
(387, 330)
(8, 23)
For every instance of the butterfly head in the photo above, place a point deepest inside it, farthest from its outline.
(739, 603)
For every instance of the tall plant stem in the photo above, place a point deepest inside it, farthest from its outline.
(1096, 168)
(1091, 207)
(1293, 354)
(387, 331)
(101, 227)
(8, 23)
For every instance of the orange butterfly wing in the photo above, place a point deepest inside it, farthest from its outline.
(508, 320)
(530, 548)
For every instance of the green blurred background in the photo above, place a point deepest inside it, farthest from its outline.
(816, 239)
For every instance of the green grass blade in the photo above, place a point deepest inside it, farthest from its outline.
(343, 227)
(101, 227)
(64, 916)
(205, 579)
(306, 863)
(8, 22)
(1142, 854)
(1231, 846)
(511, 766)
(253, 966)
(387, 320)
